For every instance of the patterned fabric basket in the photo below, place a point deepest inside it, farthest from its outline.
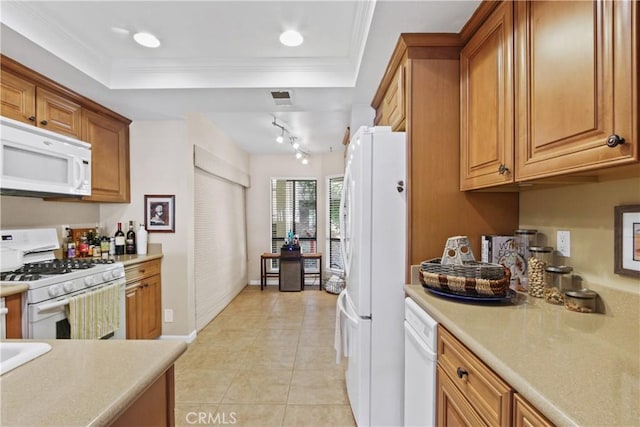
(475, 279)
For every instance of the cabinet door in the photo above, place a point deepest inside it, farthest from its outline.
(394, 101)
(525, 415)
(18, 98)
(486, 103)
(150, 308)
(487, 393)
(109, 141)
(58, 114)
(132, 295)
(576, 85)
(452, 408)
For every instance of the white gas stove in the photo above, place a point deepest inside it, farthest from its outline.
(53, 283)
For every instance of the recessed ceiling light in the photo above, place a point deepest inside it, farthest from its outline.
(146, 39)
(291, 38)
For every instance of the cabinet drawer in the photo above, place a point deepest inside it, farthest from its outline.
(144, 269)
(453, 409)
(484, 390)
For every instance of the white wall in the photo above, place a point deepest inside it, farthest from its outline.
(265, 167)
(162, 163)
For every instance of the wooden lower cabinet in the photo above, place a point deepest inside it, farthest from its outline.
(13, 320)
(469, 393)
(144, 300)
(452, 407)
(525, 415)
(154, 407)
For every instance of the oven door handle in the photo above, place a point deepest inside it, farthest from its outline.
(51, 306)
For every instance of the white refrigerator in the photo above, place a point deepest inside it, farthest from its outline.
(370, 311)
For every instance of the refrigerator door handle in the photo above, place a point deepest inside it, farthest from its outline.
(343, 308)
(345, 223)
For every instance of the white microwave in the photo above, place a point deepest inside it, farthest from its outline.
(37, 162)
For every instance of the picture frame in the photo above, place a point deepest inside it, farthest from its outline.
(627, 240)
(159, 213)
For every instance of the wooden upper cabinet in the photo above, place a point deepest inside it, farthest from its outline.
(18, 98)
(394, 101)
(24, 101)
(486, 103)
(576, 86)
(109, 139)
(58, 114)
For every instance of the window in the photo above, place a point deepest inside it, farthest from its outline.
(333, 221)
(293, 207)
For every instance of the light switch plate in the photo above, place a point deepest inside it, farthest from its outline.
(563, 240)
(168, 315)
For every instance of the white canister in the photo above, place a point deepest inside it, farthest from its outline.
(141, 240)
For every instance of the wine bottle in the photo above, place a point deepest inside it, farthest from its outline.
(120, 240)
(130, 242)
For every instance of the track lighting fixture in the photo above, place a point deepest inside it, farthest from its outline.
(300, 154)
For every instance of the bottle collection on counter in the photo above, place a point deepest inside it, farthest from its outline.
(91, 243)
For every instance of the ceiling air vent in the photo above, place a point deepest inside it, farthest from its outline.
(281, 97)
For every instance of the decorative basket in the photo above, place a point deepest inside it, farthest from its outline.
(472, 278)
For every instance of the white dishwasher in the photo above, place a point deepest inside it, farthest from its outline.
(420, 350)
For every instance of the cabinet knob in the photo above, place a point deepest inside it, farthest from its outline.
(461, 372)
(502, 169)
(32, 118)
(44, 122)
(614, 140)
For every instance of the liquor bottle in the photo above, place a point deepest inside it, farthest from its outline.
(130, 245)
(97, 249)
(120, 240)
(83, 250)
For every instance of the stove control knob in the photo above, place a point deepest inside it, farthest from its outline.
(88, 281)
(107, 275)
(67, 286)
(54, 290)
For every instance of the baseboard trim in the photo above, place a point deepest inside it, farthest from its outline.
(186, 338)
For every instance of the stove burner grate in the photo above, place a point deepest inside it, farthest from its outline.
(35, 271)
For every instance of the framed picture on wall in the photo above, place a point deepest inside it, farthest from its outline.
(159, 213)
(627, 240)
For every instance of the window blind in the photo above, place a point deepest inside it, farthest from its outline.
(335, 192)
(294, 207)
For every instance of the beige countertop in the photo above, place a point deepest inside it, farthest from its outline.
(577, 369)
(83, 382)
(136, 259)
(7, 290)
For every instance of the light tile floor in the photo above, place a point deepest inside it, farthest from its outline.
(266, 360)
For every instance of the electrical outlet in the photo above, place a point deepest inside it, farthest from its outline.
(168, 315)
(563, 240)
(63, 230)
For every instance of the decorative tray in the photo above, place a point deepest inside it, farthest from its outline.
(475, 298)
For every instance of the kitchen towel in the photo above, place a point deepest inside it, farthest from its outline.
(94, 314)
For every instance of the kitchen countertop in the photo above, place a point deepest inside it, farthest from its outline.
(83, 382)
(575, 368)
(7, 290)
(136, 259)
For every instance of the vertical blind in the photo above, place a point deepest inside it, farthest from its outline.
(294, 207)
(335, 192)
